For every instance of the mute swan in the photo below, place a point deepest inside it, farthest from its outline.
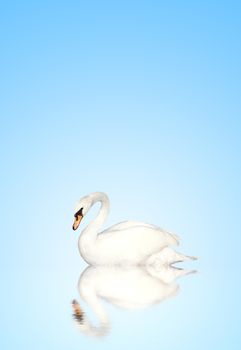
(126, 243)
(130, 289)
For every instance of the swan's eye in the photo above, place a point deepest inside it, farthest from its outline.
(79, 213)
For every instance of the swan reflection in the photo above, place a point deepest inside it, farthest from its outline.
(127, 288)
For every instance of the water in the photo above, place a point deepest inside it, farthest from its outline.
(141, 100)
(194, 311)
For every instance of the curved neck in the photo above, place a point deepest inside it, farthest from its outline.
(100, 314)
(85, 325)
(88, 292)
(90, 232)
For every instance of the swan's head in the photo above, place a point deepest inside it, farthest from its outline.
(81, 209)
(78, 314)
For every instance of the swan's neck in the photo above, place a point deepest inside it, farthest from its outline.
(89, 234)
(103, 327)
(87, 290)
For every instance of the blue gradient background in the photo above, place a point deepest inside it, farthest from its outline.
(140, 99)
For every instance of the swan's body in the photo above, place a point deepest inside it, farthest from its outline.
(126, 243)
(132, 288)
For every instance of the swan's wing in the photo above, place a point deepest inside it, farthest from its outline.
(125, 225)
(132, 245)
(128, 224)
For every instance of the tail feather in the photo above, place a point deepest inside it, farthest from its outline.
(168, 274)
(168, 256)
(175, 237)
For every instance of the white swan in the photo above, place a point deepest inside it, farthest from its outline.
(130, 289)
(127, 243)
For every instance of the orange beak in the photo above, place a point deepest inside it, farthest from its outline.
(77, 222)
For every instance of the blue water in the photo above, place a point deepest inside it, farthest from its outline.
(139, 100)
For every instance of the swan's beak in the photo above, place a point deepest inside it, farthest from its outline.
(78, 313)
(77, 221)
